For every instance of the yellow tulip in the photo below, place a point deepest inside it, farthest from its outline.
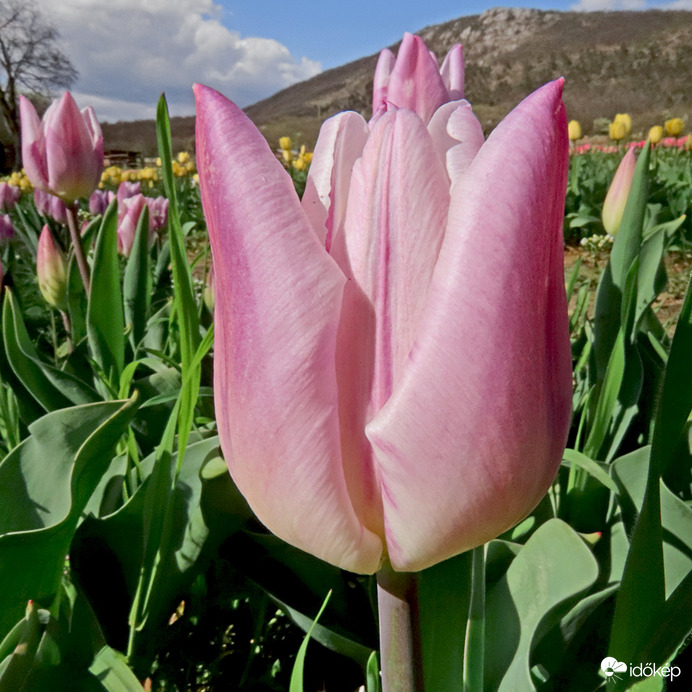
(617, 130)
(675, 126)
(287, 154)
(574, 130)
(183, 157)
(626, 120)
(655, 134)
(285, 143)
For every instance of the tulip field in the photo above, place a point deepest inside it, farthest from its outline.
(408, 413)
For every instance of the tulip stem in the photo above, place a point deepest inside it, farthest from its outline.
(78, 248)
(474, 646)
(400, 649)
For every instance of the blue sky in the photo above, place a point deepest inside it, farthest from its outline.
(128, 51)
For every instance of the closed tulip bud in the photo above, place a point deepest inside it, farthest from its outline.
(285, 143)
(616, 198)
(675, 126)
(655, 134)
(392, 365)
(51, 206)
(6, 228)
(9, 196)
(129, 211)
(158, 212)
(50, 268)
(574, 130)
(626, 121)
(617, 130)
(99, 201)
(63, 153)
(414, 80)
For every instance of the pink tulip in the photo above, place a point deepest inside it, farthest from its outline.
(9, 196)
(63, 153)
(50, 268)
(129, 211)
(414, 80)
(616, 198)
(392, 357)
(51, 206)
(158, 213)
(6, 228)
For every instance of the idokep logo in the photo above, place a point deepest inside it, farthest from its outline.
(614, 670)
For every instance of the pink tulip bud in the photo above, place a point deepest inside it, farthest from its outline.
(63, 153)
(50, 268)
(6, 228)
(414, 80)
(129, 211)
(51, 206)
(616, 198)
(9, 196)
(392, 360)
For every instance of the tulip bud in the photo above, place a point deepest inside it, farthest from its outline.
(9, 196)
(655, 134)
(99, 201)
(617, 130)
(63, 153)
(129, 211)
(50, 268)
(574, 130)
(285, 143)
(158, 212)
(6, 228)
(51, 206)
(614, 204)
(675, 126)
(626, 120)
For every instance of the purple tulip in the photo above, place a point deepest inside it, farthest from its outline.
(99, 201)
(414, 80)
(50, 205)
(128, 189)
(63, 153)
(9, 196)
(392, 358)
(50, 268)
(158, 212)
(6, 228)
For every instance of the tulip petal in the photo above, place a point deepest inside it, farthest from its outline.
(383, 71)
(452, 72)
(33, 144)
(340, 143)
(278, 302)
(415, 82)
(473, 434)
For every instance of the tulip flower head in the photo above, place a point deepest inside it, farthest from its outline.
(129, 211)
(9, 196)
(6, 228)
(675, 126)
(626, 120)
(574, 130)
(616, 197)
(414, 80)
(50, 268)
(158, 212)
(617, 130)
(373, 391)
(51, 206)
(99, 201)
(655, 134)
(63, 153)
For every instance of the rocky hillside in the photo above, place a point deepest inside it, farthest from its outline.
(638, 62)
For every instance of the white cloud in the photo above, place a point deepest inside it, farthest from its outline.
(128, 51)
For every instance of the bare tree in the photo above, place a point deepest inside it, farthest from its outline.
(30, 59)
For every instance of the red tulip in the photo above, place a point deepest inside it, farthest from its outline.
(392, 357)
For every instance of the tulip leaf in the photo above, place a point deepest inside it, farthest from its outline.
(540, 586)
(45, 483)
(372, 674)
(105, 324)
(137, 283)
(51, 387)
(113, 673)
(593, 468)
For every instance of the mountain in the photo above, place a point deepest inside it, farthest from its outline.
(634, 62)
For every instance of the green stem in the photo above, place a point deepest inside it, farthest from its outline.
(400, 650)
(78, 248)
(474, 647)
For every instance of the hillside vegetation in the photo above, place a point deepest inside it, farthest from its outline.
(635, 62)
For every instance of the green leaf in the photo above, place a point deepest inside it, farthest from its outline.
(105, 325)
(137, 283)
(297, 672)
(45, 484)
(372, 674)
(540, 586)
(113, 673)
(593, 468)
(51, 387)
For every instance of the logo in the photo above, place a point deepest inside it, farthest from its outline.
(610, 666)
